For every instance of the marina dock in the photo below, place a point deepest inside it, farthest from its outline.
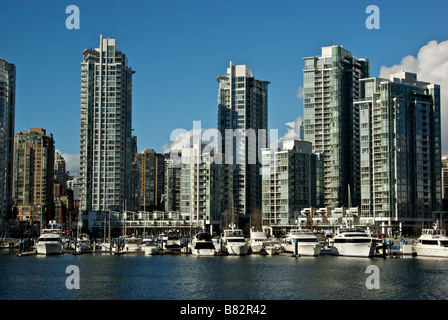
(389, 248)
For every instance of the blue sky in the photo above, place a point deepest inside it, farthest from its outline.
(178, 48)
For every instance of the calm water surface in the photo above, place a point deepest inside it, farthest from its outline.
(252, 277)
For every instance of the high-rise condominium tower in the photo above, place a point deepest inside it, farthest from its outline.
(60, 169)
(7, 112)
(330, 84)
(106, 128)
(33, 175)
(152, 179)
(400, 149)
(243, 112)
(289, 182)
(201, 191)
(445, 177)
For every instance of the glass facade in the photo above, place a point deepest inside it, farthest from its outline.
(400, 148)
(201, 188)
(7, 114)
(243, 111)
(289, 183)
(331, 121)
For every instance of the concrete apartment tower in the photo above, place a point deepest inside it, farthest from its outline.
(202, 192)
(289, 182)
(401, 169)
(60, 170)
(33, 175)
(107, 144)
(7, 113)
(151, 167)
(243, 112)
(331, 82)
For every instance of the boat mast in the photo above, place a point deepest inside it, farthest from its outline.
(349, 205)
(197, 187)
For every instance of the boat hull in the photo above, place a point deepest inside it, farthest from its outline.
(203, 252)
(309, 250)
(355, 249)
(237, 249)
(304, 249)
(270, 250)
(173, 249)
(49, 248)
(151, 250)
(132, 248)
(431, 251)
(257, 248)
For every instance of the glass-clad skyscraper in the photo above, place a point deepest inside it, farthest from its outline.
(331, 120)
(400, 149)
(243, 123)
(7, 113)
(107, 145)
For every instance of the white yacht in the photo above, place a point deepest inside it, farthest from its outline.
(104, 246)
(150, 246)
(132, 244)
(432, 243)
(173, 242)
(202, 244)
(81, 243)
(234, 242)
(307, 242)
(353, 242)
(273, 247)
(258, 240)
(51, 241)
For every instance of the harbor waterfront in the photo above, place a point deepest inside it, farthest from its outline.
(250, 277)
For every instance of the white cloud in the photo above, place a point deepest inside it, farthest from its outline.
(430, 65)
(293, 132)
(182, 138)
(71, 163)
(299, 93)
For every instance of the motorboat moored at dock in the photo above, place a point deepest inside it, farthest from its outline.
(306, 241)
(432, 243)
(353, 242)
(51, 241)
(202, 244)
(234, 242)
